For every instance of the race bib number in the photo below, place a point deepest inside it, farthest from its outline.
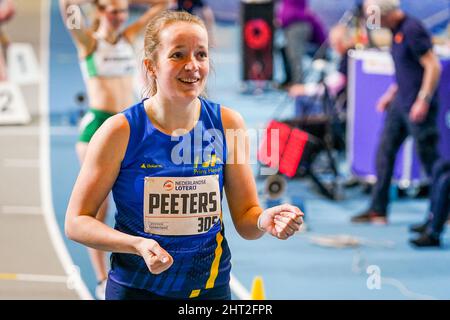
(181, 205)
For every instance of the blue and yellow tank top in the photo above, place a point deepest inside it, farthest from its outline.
(170, 189)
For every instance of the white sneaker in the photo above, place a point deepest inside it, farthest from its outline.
(100, 290)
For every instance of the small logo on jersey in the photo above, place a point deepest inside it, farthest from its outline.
(398, 38)
(150, 166)
(211, 162)
(168, 185)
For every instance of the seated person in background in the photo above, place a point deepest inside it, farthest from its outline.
(341, 41)
(301, 27)
(201, 9)
(431, 231)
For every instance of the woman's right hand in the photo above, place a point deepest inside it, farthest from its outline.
(157, 259)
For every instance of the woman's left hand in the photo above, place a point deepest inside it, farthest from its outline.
(281, 221)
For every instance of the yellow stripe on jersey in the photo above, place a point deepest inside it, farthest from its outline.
(194, 294)
(215, 265)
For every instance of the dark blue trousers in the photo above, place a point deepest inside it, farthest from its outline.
(397, 127)
(440, 198)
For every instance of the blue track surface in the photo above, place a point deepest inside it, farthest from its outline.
(293, 269)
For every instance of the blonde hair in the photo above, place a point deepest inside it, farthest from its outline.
(152, 40)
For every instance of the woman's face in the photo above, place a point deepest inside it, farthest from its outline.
(115, 12)
(182, 65)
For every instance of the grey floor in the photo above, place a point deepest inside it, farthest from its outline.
(30, 267)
